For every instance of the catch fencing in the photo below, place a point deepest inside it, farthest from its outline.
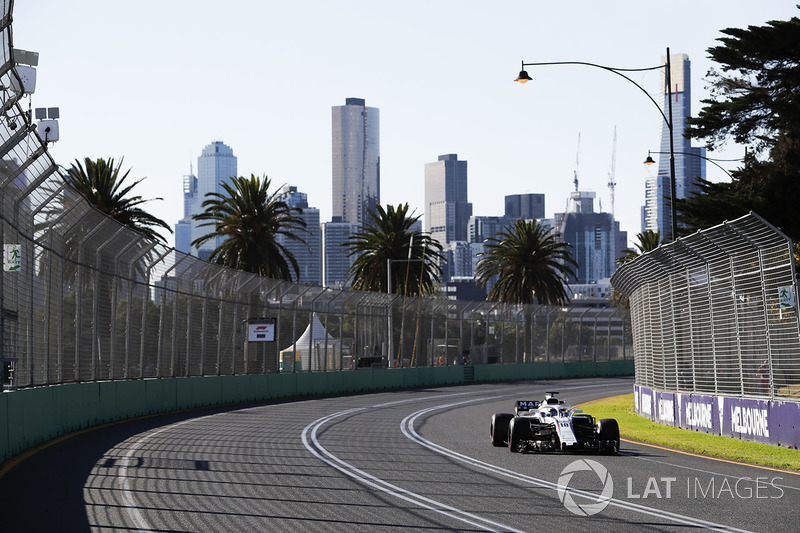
(716, 313)
(84, 298)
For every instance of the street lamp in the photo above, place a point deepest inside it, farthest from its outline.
(523, 77)
(651, 161)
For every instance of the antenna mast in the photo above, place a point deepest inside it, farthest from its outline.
(577, 162)
(612, 174)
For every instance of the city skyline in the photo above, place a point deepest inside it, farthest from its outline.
(444, 92)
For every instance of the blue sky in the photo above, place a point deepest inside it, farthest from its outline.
(157, 81)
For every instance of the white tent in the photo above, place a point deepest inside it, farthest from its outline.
(310, 350)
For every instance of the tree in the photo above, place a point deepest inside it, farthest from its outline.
(755, 100)
(99, 181)
(249, 218)
(649, 240)
(530, 264)
(385, 241)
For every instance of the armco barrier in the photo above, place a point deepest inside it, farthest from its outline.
(29, 417)
(769, 421)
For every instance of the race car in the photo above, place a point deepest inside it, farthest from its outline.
(552, 425)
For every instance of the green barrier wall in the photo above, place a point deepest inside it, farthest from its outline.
(30, 417)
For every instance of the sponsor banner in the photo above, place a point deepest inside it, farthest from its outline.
(784, 428)
(771, 422)
(698, 412)
(645, 395)
(665, 408)
(746, 419)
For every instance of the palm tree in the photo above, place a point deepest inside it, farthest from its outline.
(385, 241)
(99, 181)
(649, 240)
(530, 264)
(249, 218)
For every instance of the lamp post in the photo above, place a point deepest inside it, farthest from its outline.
(524, 77)
(651, 161)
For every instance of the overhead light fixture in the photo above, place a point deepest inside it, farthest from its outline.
(523, 77)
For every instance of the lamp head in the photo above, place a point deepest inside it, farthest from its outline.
(523, 77)
(649, 160)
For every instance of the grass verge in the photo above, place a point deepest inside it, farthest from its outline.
(636, 427)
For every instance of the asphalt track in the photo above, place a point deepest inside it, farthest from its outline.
(417, 460)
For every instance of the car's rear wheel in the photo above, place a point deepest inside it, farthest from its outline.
(608, 436)
(498, 431)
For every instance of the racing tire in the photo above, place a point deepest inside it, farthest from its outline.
(608, 436)
(498, 430)
(583, 427)
(518, 431)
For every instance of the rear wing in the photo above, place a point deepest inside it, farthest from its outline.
(526, 405)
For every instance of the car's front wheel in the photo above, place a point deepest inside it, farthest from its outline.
(518, 431)
(608, 436)
(498, 430)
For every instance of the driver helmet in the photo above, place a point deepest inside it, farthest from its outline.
(553, 411)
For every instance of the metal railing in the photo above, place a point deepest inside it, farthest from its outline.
(716, 312)
(90, 299)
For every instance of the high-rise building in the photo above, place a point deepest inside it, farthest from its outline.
(336, 262)
(309, 255)
(458, 260)
(688, 166)
(447, 209)
(481, 227)
(356, 161)
(216, 165)
(183, 229)
(595, 238)
(525, 206)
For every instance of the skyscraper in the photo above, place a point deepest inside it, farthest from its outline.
(356, 161)
(688, 167)
(336, 262)
(525, 206)
(183, 229)
(447, 210)
(481, 227)
(215, 165)
(595, 238)
(309, 255)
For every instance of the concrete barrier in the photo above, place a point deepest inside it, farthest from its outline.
(29, 417)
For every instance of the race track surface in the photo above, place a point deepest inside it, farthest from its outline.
(417, 460)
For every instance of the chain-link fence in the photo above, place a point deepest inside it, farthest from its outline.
(84, 298)
(716, 312)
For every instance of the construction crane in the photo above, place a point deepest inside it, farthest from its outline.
(612, 173)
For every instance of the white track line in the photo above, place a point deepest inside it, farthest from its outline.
(122, 476)
(310, 441)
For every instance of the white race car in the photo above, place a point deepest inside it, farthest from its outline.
(552, 425)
